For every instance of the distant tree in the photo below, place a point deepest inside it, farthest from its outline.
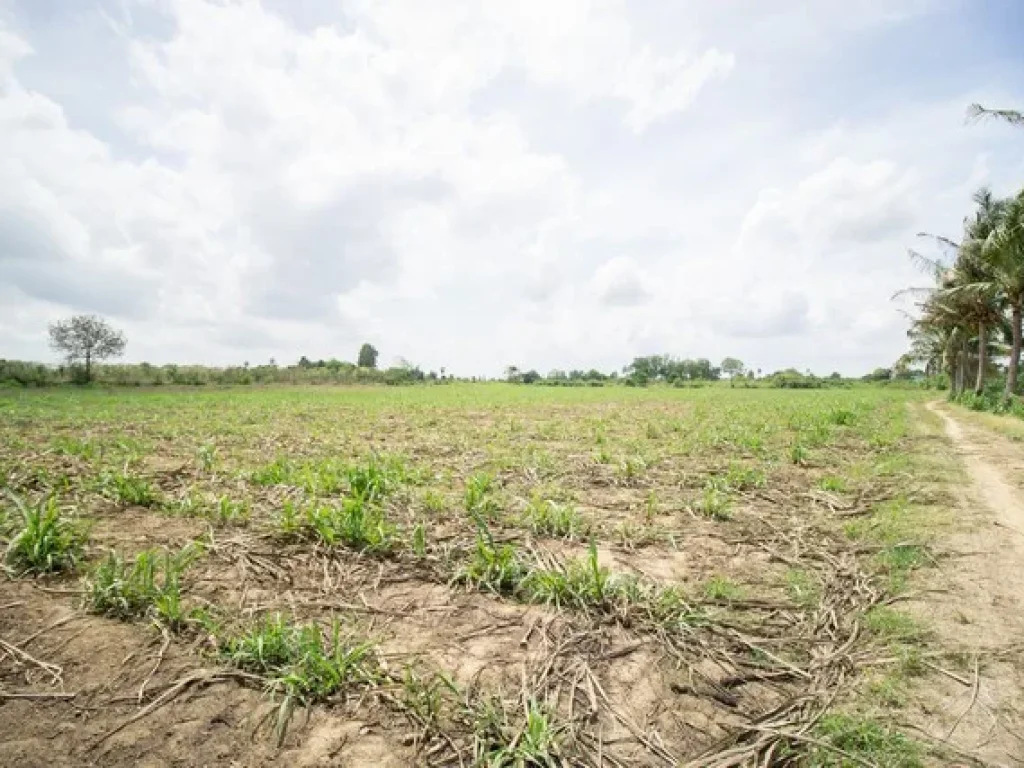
(85, 338)
(530, 377)
(732, 367)
(836, 376)
(304, 362)
(512, 374)
(367, 356)
(879, 374)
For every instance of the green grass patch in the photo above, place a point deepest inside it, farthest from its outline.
(148, 587)
(42, 538)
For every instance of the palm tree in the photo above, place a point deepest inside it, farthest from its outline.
(1003, 251)
(1011, 116)
(974, 278)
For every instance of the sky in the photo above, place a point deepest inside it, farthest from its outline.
(481, 183)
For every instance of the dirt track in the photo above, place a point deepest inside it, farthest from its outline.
(977, 603)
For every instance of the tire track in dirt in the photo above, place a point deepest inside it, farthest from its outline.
(976, 605)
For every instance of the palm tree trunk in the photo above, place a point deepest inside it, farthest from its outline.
(965, 363)
(957, 371)
(979, 383)
(1011, 375)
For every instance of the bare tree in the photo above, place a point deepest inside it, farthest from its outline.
(85, 338)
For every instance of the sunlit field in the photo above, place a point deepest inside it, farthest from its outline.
(477, 574)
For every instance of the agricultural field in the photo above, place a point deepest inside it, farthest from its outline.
(459, 575)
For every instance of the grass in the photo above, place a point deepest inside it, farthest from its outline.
(531, 735)
(128, 490)
(352, 522)
(148, 587)
(894, 626)
(722, 589)
(870, 742)
(803, 588)
(43, 539)
(549, 518)
(301, 662)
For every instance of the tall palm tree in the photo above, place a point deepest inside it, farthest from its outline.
(1003, 251)
(982, 302)
(1011, 116)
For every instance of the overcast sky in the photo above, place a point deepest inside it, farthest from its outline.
(476, 184)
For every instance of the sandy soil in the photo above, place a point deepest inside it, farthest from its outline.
(975, 603)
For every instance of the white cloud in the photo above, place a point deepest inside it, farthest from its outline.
(468, 184)
(620, 283)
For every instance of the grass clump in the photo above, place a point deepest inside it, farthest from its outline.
(148, 587)
(44, 540)
(581, 584)
(870, 742)
(549, 518)
(301, 662)
(127, 489)
(803, 588)
(893, 626)
(722, 589)
(491, 567)
(714, 503)
(352, 522)
(833, 484)
(531, 735)
(478, 497)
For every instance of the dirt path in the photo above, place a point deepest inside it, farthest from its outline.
(976, 605)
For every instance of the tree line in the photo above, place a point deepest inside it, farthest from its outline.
(970, 316)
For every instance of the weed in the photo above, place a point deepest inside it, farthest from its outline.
(278, 472)
(803, 588)
(833, 484)
(841, 416)
(228, 511)
(352, 522)
(868, 741)
(44, 540)
(722, 589)
(892, 625)
(425, 698)
(419, 540)
(579, 584)
(127, 489)
(714, 503)
(148, 587)
(798, 454)
(477, 497)
(631, 468)
(206, 457)
(741, 478)
(492, 567)
(651, 507)
(549, 518)
(73, 446)
(299, 662)
(512, 740)
(434, 501)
